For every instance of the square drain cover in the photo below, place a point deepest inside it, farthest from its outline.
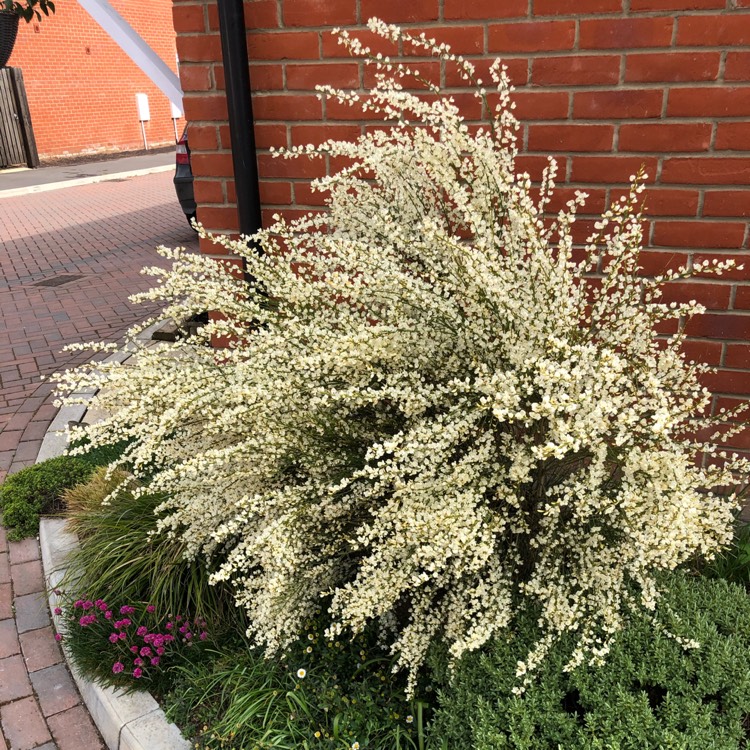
(63, 278)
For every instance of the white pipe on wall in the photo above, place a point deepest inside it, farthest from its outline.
(135, 47)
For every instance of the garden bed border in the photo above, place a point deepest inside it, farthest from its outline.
(126, 721)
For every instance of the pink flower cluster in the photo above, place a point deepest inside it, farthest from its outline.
(146, 645)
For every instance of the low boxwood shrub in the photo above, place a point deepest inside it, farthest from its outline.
(37, 490)
(651, 693)
(99, 455)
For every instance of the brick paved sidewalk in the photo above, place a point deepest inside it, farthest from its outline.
(39, 704)
(102, 235)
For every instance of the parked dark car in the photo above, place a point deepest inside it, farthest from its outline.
(183, 178)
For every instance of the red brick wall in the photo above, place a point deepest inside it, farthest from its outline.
(81, 86)
(604, 85)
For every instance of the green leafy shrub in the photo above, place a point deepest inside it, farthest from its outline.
(651, 693)
(28, 9)
(121, 559)
(319, 695)
(36, 490)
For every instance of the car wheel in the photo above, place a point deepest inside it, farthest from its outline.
(190, 218)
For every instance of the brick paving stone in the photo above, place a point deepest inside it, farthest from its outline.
(9, 644)
(74, 730)
(40, 649)
(27, 452)
(6, 608)
(48, 411)
(24, 726)
(35, 431)
(48, 746)
(31, 612)
(14, 681)
(3, 746)
(4, 568)
(28, 577)
(55, 689)
(24, 551)
(9, 439)
(19, 420)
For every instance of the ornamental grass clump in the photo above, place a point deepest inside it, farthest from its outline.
(120, 554)
(432, 412)
(320, 694)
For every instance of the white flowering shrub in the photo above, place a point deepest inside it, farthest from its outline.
(432, 413)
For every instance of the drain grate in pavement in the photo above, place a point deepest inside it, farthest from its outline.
(63, 278)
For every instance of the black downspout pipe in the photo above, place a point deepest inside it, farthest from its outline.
(240, 107)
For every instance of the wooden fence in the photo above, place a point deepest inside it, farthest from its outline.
(17, 144)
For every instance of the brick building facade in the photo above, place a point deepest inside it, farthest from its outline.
(603, 85)
(81, 86)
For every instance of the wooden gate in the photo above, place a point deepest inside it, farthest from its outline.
(17, 144)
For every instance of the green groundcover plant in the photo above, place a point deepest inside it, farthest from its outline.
(652, 693)
(38, 490)
(432, 413)
(320, 694)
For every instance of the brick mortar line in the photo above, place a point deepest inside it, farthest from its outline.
(472, 23)
(530, 85)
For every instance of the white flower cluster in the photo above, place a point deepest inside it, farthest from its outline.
(431, 412)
